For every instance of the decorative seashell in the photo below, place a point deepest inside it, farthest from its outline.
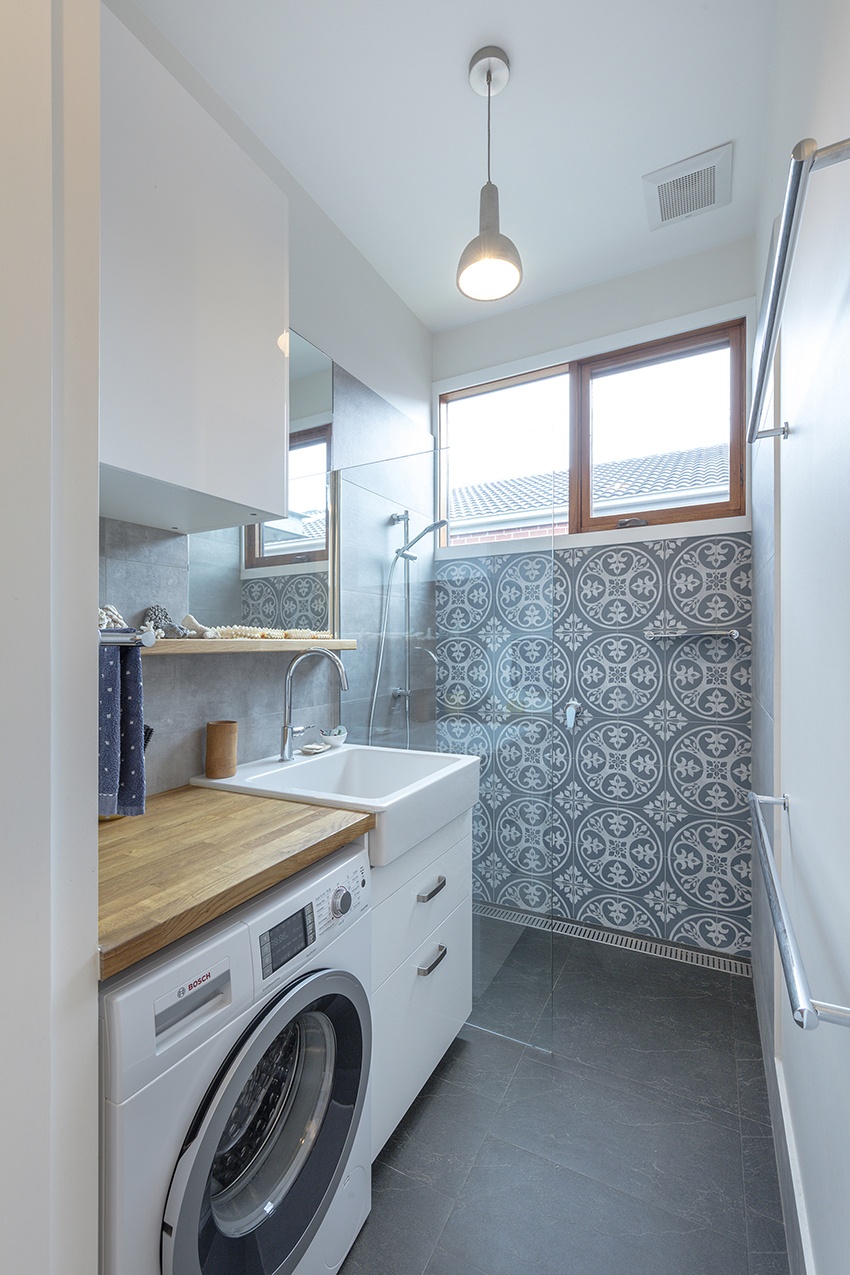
(109, 618)
(200, 630)
(157, 616)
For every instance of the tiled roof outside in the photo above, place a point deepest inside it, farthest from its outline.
(642, 476)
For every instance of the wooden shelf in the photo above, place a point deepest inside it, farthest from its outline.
(245, 646)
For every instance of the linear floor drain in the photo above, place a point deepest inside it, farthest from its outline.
(616, 938)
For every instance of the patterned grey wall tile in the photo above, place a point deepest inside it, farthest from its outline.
(619, 912)
(522, 592)
(711, 677)
(522, 754)
(464, 674)
(619, 675)
(710, 581)
(715, 931)
(464, 597)
(619, 762)
(618, 587)
(522, 674)
(659, 752)
(286, 602)
(709, 768)
(619, 851)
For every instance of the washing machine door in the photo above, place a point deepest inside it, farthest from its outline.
(266, 1151)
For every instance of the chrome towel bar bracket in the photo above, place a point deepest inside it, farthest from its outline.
(117, 638)
(807, 1012)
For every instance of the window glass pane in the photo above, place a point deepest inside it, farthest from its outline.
(659, 434)
(506, 461)
(305, 529)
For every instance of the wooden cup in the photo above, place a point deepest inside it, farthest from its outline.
(221, 750)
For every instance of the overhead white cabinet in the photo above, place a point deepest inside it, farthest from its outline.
(194, 295)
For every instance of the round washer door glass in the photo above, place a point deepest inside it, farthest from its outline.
(268, 1148)
(272, 1128)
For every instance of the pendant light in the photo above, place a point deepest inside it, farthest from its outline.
(489, 267)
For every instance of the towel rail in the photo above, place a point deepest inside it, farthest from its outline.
(689, 633)
(110, 637)
(805, 158)
(807, 1012)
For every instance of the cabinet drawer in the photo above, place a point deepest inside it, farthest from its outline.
(389, 878)
(415, 1017)
(404, 920)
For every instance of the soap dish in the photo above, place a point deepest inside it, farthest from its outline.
(312, 749)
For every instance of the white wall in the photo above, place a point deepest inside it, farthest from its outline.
(49, 118)
(337, 300)
(812, 741)
(652, 302)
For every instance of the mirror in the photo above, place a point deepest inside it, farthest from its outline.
(289, 586)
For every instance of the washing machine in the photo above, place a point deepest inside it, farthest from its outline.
(235, 1130)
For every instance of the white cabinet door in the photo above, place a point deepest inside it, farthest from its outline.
(194, 297)
(416, 1014)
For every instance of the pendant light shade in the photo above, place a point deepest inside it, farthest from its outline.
(490, 266)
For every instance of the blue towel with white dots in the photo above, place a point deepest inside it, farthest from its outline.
(121, 759)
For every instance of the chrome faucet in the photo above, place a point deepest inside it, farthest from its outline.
(289, 731)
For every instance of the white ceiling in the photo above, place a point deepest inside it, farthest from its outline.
(368, 105)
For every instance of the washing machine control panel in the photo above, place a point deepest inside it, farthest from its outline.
(341, 897)
(332, 897)
(283, 942)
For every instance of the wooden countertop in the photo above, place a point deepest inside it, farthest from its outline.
(196, 853)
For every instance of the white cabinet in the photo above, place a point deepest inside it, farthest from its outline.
(194, 295)
(421, 967)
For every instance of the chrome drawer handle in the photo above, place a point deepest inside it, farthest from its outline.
(425, 970)
(426, 898)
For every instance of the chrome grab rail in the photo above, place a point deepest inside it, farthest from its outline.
(807, 1012)
(805, 158)
(662, 635)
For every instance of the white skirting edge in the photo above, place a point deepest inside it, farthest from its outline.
(796, 1176)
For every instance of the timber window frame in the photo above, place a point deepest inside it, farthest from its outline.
(256, 554)
(730, 336)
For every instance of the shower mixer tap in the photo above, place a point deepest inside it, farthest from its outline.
(573, 707)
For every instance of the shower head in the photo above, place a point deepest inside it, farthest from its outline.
(432, 526)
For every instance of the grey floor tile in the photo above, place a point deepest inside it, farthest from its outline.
(439, 1138)
(481, 1061)
(659, 1022)
(628, 1150)
(443, 1263)
(745, 1021)
(521, 1212)
(515, 999)
(402, 1230)
(752, 1090)
(628, 1137)
(769, 1264)
(765, 1226)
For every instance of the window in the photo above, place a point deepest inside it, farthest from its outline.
(651, 434)
(303, 536)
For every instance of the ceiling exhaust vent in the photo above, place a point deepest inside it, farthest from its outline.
(692, 186)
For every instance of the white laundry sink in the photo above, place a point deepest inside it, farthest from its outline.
(411, 793)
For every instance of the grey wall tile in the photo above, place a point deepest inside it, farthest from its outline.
(133, 586)
(134, 543)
